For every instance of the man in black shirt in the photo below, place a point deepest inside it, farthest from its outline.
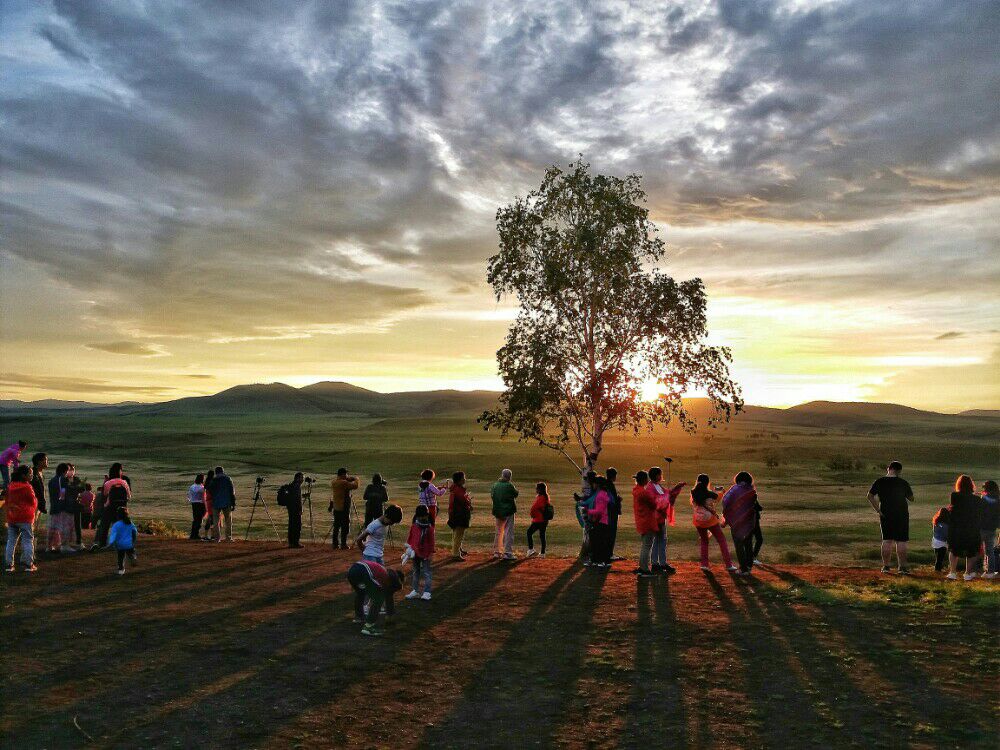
(890, 497)
(292, 497)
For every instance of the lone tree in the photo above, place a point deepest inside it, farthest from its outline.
(597, 321)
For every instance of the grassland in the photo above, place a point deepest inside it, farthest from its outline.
(812, 473)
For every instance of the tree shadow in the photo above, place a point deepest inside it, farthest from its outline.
(519, 696)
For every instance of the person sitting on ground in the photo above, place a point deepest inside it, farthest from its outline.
(420, 549)
(541, 511)
(10, 459)
(20, 506)
(890, 496)
(122, 538)
(223, 503)
(939, 538)
(988, 529)
(290, 495)
(964, 537)
(739, 508)
(376, 497)
(376, 584)
(196, 499)
(504, 496)
(340, 505)
(429, 493)
(459, 514)
(372, 540)
(706, 521)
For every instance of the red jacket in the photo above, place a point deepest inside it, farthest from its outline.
(21, 503)
(644, 509)
(459, 499)
(537, 509)
(421, 538)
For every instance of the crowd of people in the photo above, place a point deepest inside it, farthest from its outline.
(964, 530)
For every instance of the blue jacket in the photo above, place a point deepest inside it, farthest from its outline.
(583, 506)
(122, 535)
(222, 492)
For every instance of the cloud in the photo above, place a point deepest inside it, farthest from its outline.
(73, 385)
(968, 386)
(948, 335)
(126, 347)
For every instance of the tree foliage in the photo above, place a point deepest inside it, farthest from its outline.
(597, 319)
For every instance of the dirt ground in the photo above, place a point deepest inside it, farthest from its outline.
(250, 645)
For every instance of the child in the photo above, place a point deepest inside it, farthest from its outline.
(939, 538)
(600, 529)
(706, 521)
(373, 582)
(541, 512)
(459, 514)
(196, 499)
(21, 506)
(372, 540)
(87, 506)
(207, 535)
(420, 549)
(429, 493)
(122, 537)
(74, 489)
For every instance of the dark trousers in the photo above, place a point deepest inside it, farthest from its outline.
(197, 513)
(78, 526)
(366, 588)
(758, 539)
(86, 519)
(744, 551)
(540, 528)
(108, 517)
(600, 540)
(122, 553)
(341, 525)
(941, 559)
(612, 531)
(294, 525)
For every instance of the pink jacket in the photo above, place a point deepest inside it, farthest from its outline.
(11, 456)
(599, 513)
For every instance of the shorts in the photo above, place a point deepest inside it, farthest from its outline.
(895, 527)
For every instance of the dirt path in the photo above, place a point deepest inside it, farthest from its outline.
(251, 645)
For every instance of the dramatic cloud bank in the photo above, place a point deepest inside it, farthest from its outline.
(302, 191)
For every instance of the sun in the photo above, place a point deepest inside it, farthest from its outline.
(651, 390)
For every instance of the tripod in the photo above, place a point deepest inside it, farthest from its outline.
(308, 500)
(258, 498)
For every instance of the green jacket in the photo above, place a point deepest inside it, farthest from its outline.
(503, 494)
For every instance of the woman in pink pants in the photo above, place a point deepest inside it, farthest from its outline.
(707, 521)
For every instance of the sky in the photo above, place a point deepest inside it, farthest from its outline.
(198, 195)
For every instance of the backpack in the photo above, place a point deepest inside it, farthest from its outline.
(548, 512)
(283, 492)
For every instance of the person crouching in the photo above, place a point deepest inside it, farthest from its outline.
(377, 584)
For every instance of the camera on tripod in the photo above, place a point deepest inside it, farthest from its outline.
(308, 480)
(260, 480)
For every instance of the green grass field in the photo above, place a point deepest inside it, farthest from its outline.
(811, 509)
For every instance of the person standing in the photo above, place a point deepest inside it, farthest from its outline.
(429, 493)
(21, 506)
(290, 495)
(196, 498)
(541, 512)
(646, 521)
(59, 518)
(706, 521)
(122, 538)
(209, 515)
(376, 497)
(890, 497)
(87, 506)
(340, 504)
(39, 463)
(614, 511)
(223, 502)
(739, 508)
(504, 496)
(10, 459)
(665, 502)
(459, 514)
(600, 532)
(988, 528)
(74, 493)
(964, 535)
(420, 549)
(117, 491)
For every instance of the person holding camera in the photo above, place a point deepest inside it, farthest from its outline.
(290, 496)
(340, 504)
(223, 501)
(376, 497)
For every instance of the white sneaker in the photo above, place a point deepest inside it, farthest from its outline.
(121, 572)
(531, 553)
(757, 562)
(413, 595)
(732, 568)
(704, 567)
(543, 555)
(426, 596)
(510, 557)
(989, 575)
(969, 576)
(952, 576)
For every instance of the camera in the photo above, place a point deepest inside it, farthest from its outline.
(308, 480)
(260, 480)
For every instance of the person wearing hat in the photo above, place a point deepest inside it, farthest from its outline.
(340, 504)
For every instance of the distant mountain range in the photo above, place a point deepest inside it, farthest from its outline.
(345, 399)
